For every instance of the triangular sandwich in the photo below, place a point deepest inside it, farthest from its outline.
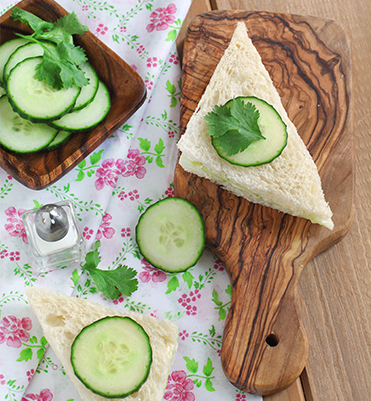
(63, 317)
(289, 183)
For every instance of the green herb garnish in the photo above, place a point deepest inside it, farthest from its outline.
(60, 65)
(111, 282)
(234, 126)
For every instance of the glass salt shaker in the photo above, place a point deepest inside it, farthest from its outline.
(54, 236)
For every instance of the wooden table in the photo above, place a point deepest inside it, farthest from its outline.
(335, 287)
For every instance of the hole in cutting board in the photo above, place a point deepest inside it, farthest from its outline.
(272, 340)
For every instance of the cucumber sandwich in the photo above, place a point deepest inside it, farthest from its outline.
(107, 354)
(274, 167)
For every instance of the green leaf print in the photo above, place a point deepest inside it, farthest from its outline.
(145, 145)
(191, 364)
(5, 189)
(221, 306)
(211, 339)
(170, 87)
(172, 284)
(173, 94)
(83, 169)
(207, 370)
(27, 353)
(188, 278)
(171, 36)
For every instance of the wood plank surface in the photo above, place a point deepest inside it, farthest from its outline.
(335, 286)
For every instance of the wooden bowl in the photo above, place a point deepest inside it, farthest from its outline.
(127, 91)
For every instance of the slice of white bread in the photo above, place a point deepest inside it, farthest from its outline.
(62, 318)
(290, 183)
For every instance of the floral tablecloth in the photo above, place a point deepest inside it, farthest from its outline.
(110, 189)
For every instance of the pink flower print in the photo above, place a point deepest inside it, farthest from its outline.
(161, 18)
(169, 192)
(174, 59)
(14, 256)
(171, 134)
(118, 300)
(187, 301)
(241, 397)
(152, 62)
(2, 380)
(123, 29)
(148, 83)
(134, 164)
(87, 233)
(125, 232)
(141, 49)
(15, 226)
(133, 195)
(104, 228)
(122, 195)
(183, 335)
(218, 265)
(4, 253)
(45, 395)
(101, 29)
(85, 8)
(108, 173)
(14, 331)
(30, 373)
(151, 273)
(179, 388)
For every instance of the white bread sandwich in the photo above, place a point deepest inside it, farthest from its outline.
(290, 182)
(62, 318)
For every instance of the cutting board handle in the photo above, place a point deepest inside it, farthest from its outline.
(264, 347)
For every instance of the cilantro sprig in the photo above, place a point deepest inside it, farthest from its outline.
(234, 126)
(111, 282)
(60, 64)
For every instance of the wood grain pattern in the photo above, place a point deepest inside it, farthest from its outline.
(263, 250)
(127, 92)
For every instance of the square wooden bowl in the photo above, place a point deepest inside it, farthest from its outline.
(127, 91)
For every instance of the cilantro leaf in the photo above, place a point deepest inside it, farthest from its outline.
(111, 282)
(234, 126)
(60, 65)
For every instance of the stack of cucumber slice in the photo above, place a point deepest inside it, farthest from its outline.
(33, 115)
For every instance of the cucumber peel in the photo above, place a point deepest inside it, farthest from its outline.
(171, 235)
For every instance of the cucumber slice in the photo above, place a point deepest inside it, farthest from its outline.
(171, 234)
(112, 356)
(88, 117)
(36, 100)
(28, 50)
(60, 139)
(6, 49)
(263, 151)
(89, 91)
(20, 135)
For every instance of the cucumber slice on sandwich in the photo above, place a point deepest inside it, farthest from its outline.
(171, 235)
(261, 151)
(112, 356)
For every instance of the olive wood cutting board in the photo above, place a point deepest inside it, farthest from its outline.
(264, 251)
